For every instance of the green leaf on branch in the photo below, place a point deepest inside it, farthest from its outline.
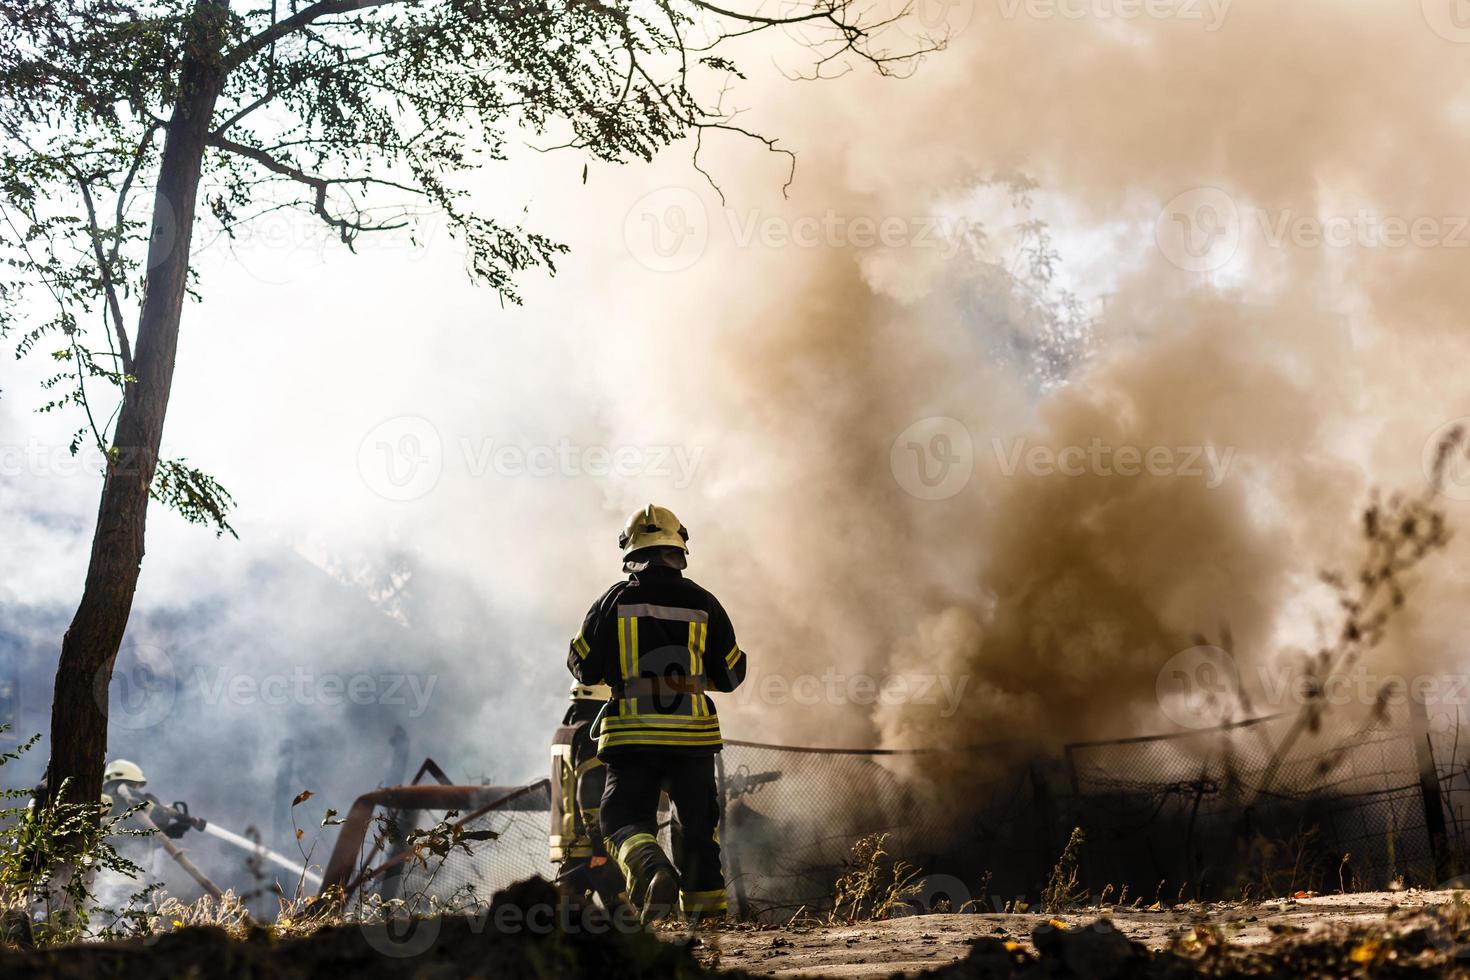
(196, 496)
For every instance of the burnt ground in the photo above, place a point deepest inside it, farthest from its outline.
(1413, 934)
(916, 943)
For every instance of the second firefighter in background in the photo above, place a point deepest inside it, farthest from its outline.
(577, 781)
(662, 643)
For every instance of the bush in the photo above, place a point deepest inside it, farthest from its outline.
(49, 858)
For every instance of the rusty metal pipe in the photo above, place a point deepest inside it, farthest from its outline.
(476, 799)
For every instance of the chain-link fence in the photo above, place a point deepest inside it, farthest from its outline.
(1273, 805)
(790, 818)
(787, 840)
(1278, 804)
(478, 868)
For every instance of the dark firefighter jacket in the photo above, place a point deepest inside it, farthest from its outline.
(661, 642)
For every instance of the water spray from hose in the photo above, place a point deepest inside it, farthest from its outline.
(260, 851)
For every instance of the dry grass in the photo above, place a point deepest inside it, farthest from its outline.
(875, 884)
(227, 912)
(1061, 890)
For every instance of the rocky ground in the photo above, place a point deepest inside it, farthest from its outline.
(1412, 934)
(917, 943)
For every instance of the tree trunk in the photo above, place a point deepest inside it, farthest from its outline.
(84, 672)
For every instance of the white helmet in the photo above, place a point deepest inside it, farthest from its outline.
(121, 770)
(591, 692)
(653, 526)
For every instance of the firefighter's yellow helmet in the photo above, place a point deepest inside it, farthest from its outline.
(121, 770)
(652, 526)
(590, 692)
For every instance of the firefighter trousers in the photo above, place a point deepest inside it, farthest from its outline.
(630, 820)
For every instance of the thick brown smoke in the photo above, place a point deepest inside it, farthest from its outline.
(1310, 370)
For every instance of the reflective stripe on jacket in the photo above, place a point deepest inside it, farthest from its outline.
(662, 643)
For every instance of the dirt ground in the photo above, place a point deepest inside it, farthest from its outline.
(1400, 936)
(913, 944)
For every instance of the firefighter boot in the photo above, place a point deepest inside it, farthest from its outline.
(661, 898)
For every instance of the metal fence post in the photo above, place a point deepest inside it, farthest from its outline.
(727, 848)
(1429, 786)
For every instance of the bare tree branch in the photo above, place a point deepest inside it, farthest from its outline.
(229, 123)
(104, 272)
(323, 8)
(347, 228)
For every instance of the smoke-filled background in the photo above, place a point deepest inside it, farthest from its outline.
(896, 408)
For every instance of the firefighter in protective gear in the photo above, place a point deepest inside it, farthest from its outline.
(662, 643)
(577, 780)
(123, 771)
(122, 787)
